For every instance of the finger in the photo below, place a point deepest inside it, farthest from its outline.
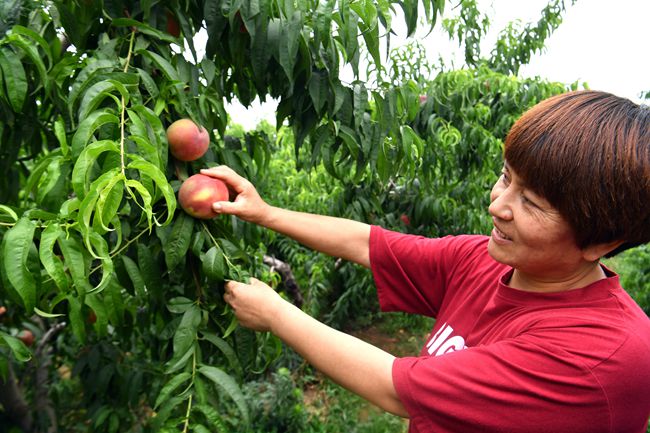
(228, 175)
(255, 282)
(231, 285)
(226, 207)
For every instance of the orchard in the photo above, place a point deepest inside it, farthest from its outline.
(112, 262)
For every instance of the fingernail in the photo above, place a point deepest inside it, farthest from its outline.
(216, 206)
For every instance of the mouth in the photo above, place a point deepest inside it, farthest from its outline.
(499, 235)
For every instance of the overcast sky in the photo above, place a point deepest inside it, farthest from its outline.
(601, 42)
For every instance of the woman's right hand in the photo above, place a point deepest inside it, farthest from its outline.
(247, 204)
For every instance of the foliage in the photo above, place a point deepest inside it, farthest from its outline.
(277, 404)
(633, 266)
(516, 42)
(123, 289)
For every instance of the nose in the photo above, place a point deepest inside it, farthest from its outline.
(499, 203)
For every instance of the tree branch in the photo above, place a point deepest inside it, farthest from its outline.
(290, 285)
(13, 401)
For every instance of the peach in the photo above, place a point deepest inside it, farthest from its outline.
(197, 194)
(187, 140)
(27, 337)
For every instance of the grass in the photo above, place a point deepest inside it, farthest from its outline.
(294, 398)
(334, 409)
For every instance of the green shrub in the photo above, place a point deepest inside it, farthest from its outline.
(633, 266)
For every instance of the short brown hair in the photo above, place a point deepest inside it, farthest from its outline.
(588, 154)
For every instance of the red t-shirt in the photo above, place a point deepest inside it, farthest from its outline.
(504, 360)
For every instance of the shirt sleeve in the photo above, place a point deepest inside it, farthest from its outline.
(513, 386)
(412, 273)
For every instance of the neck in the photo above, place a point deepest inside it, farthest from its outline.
(545, 284)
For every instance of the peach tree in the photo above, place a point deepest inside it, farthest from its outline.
(120, 287)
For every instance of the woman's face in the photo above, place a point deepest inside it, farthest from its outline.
(529, 234)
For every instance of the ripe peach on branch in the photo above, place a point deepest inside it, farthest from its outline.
(197, 194)
(187, 140)
(26, 336)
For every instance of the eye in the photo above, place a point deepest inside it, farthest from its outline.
(505, 178)
(528, 202)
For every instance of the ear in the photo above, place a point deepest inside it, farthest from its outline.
(595, 252)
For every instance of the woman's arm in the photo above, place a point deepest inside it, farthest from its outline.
(354, 364)
(336, 237)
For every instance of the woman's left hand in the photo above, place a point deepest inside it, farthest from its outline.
(353, 363)
(256, 305)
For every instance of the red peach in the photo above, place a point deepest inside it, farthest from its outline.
(27, 337)
(405, 219)
(172, 25)
(187, 141)
(92, 317)
(197, 194)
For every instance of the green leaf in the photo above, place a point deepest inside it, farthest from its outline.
(135, 276)
(157, 132)
(40, 169)
(148, 83)
(75, 263)
(14, 78)
(144, 28)
(154, 173)
(163, 64)
(113, 300)
(97, 304)
(89, 203)
(77, 320)
(229, 386)
(144, 196)
(231, 326)
(7, 210)
(226, 349)
(46, 314)
(176, 246)
(213, 264)
(185, 338)
(32, 53)
(97, 93)
(17, 347)
(89, 75)
(87, 128)
(213, 417)
(15, 250)
(100, 245)
(149, 268)
(186, 333)
(42, 43)
(59, 132)
(179, 304)
(199, 428)
(52, 264)
(171, 386)
(318, 89)
(108, 203)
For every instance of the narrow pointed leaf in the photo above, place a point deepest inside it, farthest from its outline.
(227, 384)
(17, 347)
(176, 246)
(213, 264)
(15, 79)
(171, 386)
(53, 265)
(16, 245)
(87, 128)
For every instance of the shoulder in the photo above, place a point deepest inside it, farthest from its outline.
(459, 245)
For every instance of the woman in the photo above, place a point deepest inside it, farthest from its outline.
(532, 333)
